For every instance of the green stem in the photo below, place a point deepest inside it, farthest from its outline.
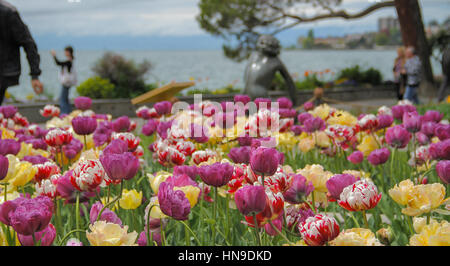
(77, 213)
(281, 234)
(408, 219)
(428, 218)
(85, 143)
(258, 235)
(313, 202)
(354, 219)
(149, 240)
(34, 239)
(112, 202)
(188, 229)
(68, 234)
(366, 223)
(215, 216)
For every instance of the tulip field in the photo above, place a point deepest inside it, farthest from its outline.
(241, 173)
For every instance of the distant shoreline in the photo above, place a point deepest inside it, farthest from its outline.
(346, 49)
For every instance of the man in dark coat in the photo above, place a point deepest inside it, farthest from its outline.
(445, 74)
(13, 35)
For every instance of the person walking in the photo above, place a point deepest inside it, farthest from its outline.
(13, 35)
(68, 78)
(413, 71)
(445, 74)
(399, 78)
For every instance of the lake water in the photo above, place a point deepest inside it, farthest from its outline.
(209, 68)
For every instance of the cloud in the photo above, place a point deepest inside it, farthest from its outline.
(167, 17)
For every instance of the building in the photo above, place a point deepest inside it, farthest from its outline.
(387, 24)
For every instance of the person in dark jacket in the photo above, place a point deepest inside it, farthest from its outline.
(445, 74)
(13, 35)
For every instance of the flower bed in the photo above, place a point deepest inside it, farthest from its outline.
(231, 173)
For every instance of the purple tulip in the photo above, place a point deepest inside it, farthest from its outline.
(296, 216)
(31, 215)
(385, 121)
(240, 155)
(397, 137)
(442, 131)
(399, 110)
(83, 103)
(84, 125)
(191, 171)
(263, 103)
(103, 133)
(245, 140)
(37, 144)
(173, 203)
(198, 133)
(285, 102)
(287, 113)
(36, 159)
(440, 150)
(278, 223)
(308, 106)
(265, 160)
(432, 115)
(356, 157)
(8, 111)
(422, 138)
(121, 124)
(66, 190)
(217, 174)
(250, 199)
(258, 142)
(107, 215)
(163, 108)
(242, 98)
(337, 183)
(181, 181)
(120, 166)
(4, 165)
(150, 127)
(428, 128)
(443, 171)
(412, 122)
(73, 148)
(116, 146)
(23, 138)
(154, 234)
(163, 127)
(303, 117)
(44, 237)
(298, 130)
(379, 156)
(299, 190)
(314, 124)
(9, 146)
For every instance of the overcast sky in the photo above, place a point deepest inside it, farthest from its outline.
(170, 18)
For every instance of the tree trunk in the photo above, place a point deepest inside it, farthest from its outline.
(413, 34)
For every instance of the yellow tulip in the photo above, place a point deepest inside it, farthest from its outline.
(28, 150)
(19, 172)
(156, 212)
(306, 144)
(419, 199)
(343, 118)
(356, 237)
(400, 193)
(7, 134)
(433, 234)
(317, 175)
(191, 193)
(356, 173)
(323, 140)
(131, 199)
(321, 111)
(425, 198)
(157, 179)
(110, 234)
(368, 144)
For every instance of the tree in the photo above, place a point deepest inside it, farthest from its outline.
(240, 22)
(308, 42)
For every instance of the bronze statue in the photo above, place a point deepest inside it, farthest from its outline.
(263, 64)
